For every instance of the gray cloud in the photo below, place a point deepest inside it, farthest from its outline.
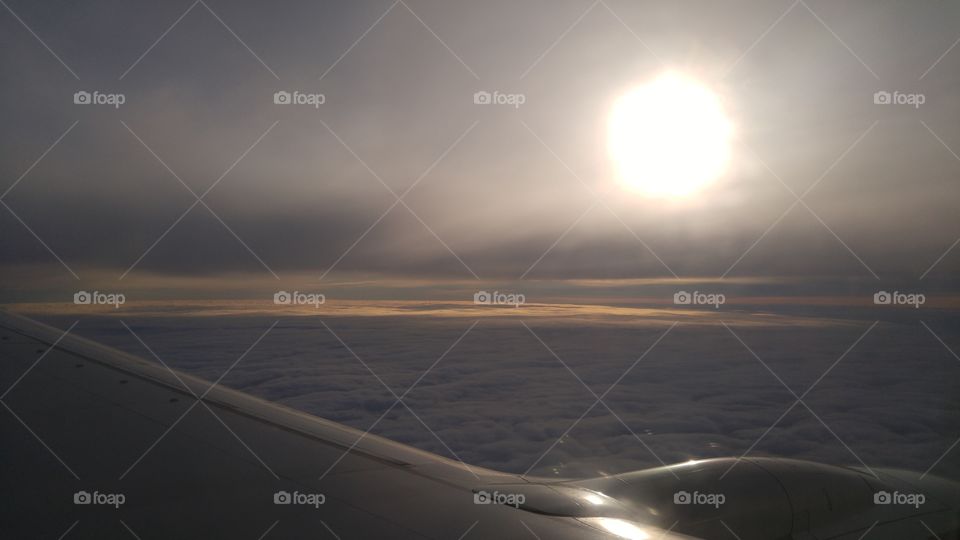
(499, 199)
(500, 399)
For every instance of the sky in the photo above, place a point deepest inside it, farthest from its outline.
(106, 196)
(393, 192)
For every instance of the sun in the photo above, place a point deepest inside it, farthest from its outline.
(669, 138)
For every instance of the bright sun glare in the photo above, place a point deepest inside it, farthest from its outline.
(669, 138)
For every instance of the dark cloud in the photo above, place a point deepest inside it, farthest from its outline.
(500, 399)
(500, 198)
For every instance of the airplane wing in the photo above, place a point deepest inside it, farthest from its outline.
(101, 444)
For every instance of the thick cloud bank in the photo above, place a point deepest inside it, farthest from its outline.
(501, 399)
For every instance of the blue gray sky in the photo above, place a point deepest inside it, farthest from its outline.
(495, 192)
